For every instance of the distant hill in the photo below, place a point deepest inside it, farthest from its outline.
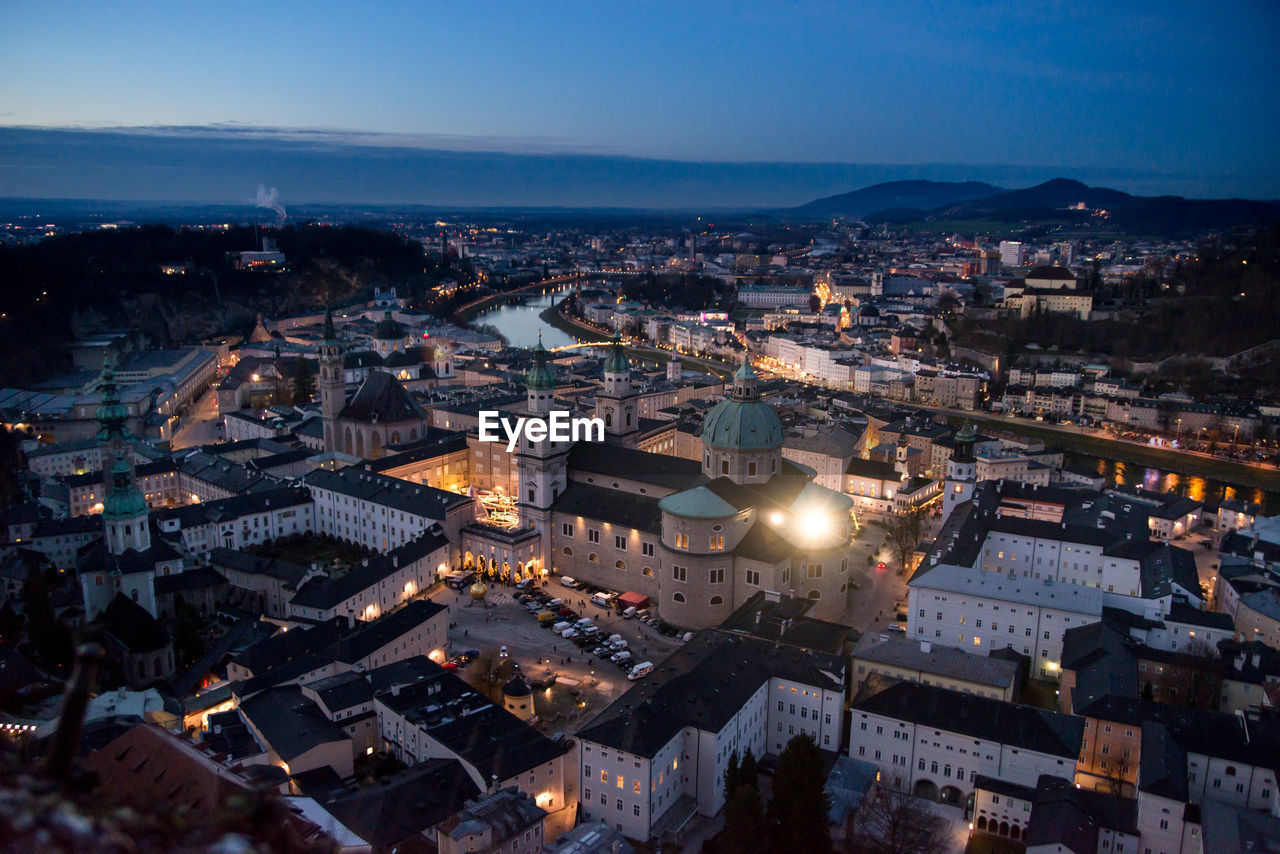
(901, 195)
(1052, 201)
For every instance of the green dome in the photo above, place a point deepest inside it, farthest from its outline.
(124, 500)
(617, 362)
(539, 376)
(966, 433)
(743, 424)
(697, 503)
(389, 329)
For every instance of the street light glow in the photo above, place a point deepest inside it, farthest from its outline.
(776, 518)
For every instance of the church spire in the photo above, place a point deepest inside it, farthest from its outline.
(112, 414)
(330, 334)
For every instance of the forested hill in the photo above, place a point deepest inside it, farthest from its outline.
(918, 195)
(77, 284)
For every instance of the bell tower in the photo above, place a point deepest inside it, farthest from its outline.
(541, 465)
(616, 402)
(331, 383)
(962, 472)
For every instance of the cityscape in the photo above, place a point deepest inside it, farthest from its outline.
(551, 433)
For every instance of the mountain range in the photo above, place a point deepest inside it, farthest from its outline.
(1060, 200)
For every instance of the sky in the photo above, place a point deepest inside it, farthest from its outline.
(784, 100)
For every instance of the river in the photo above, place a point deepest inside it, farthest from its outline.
(520, 323)
(1193, 486)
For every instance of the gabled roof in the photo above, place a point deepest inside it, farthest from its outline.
(407, 804)
(135, 628)
(382, 399)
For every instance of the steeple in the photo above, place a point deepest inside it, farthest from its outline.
(330, 334)
(112, 414)
(331, 383)
(616, 402)
(540, 383)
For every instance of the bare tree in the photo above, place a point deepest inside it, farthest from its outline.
(890, 822)
(905, 530)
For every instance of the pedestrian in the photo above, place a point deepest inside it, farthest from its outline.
(553, 648)
(466, 633)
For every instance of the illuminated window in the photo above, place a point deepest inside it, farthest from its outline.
(682, 541)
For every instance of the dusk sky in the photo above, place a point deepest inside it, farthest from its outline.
(1161, 97)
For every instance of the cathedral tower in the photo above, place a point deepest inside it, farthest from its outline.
(331, 383)
(962, 472)
(616, 401)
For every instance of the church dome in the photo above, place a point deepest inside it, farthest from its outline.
(742, 424)
(742, 421)
(389, 329)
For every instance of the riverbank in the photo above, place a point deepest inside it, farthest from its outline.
(554, 317)
(1129, 452)
(465, 314)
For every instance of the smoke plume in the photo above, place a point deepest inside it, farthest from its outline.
(270, 199)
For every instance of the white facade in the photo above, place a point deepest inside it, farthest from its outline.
(908, 754)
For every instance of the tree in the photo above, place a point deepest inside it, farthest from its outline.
(488, 673)
(798, 812)
(905, 530)
(304, 383)
(890, 822)
(745, 826)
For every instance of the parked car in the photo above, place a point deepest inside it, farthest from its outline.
(569, 634)
(561, 626)
(620, 657)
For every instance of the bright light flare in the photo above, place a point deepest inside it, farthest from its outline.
(815, 524)
(776, 518)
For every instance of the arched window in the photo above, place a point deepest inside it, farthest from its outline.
(375, 445)
(568, 552)
(349, 447)
(395, 437)
(814, 594)
(619, 565)
(608, 419)
(647, 572)
(413, 434)
(593, 557)
(717, 600)
(677, 597)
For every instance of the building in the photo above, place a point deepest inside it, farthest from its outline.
(955, 669)
(700, 538)
(935, 743)
(657, 755)
(505, 821)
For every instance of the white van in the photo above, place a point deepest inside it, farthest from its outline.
(641, 670)
(629, 613)
(600, 600)
(583, 623)
(561, 626)
(620, 657)
(613, 638)
(566, 581)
